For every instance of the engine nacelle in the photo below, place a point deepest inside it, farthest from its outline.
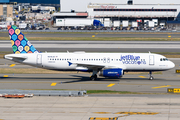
(115, 72)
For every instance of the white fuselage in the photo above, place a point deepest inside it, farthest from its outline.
(75, 61)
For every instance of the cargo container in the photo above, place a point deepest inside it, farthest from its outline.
(150, 24)
(155, 22)
(107, 23)
(125, 23)
(134, 24)
(116, 23)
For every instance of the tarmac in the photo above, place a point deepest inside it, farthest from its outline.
(100, 46)
(97, 34)
(131, 107)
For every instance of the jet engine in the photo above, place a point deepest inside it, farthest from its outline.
(114, 72)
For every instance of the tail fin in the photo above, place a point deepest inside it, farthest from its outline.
(20, 43)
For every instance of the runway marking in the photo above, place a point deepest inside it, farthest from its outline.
(5, 76)
(110, 85)
(12, 65)
(93, 35)
(53, 84)
(161, 86)
(142, 76)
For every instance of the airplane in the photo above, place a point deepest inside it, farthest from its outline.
(110, 65)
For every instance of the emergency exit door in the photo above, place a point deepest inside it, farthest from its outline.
(151, 60)
(39, 59)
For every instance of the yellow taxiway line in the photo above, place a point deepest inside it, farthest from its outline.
(12, 65)
(142, 76)
(110, 85)
(53, 84)
(5, 76)
(161, 86)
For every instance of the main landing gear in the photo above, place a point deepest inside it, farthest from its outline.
(94, 75)
(150, 76)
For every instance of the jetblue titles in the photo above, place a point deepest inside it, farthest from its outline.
(131, 59)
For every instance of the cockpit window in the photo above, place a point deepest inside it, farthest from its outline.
(163, 59)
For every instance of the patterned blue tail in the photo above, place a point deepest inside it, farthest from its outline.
(20, 43)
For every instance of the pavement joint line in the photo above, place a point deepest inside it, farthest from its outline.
(142, 76)
(102, 112)
(27, 82)
(12, 65)
(110, 85)
(53, 84)
(101, 118)
(5, 76)
(161, 86)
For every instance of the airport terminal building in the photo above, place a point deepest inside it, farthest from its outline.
(125, 8)
(119, 10)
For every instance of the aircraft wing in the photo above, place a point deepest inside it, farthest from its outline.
(94, 66)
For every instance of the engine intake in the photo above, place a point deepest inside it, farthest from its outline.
(115, 72)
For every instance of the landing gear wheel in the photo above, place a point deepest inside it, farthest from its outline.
(93, 77)
(151, 78)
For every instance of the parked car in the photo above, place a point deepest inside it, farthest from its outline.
(40, 29)
(46, 28)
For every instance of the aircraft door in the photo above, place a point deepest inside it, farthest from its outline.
(151, 59)
(39, 59)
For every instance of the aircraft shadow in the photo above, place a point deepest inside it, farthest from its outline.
(78, 78)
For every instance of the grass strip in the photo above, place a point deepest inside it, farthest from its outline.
(110, 92)
(97, 39)
(105, 91)
(97, 32)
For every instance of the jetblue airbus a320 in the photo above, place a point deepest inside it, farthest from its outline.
(100, 64)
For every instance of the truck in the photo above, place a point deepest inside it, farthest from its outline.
(69, 22)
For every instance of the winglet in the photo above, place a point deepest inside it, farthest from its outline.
(20, 43)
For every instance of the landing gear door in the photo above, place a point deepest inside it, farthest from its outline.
(39, 59)
(151, 59)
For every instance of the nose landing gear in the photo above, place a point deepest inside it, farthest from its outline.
(150, 76)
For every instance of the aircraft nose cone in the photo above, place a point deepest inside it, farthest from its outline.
(172, 65)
